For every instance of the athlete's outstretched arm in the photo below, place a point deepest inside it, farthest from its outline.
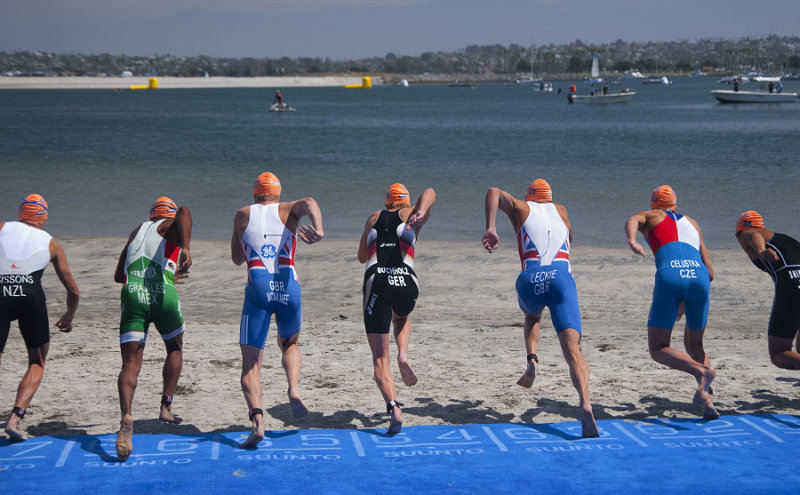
(562, 212)
(184, 220)
(496, 199)
(635, 224)
(308, 207)
(119, 273)
(362, 244)
(754, 244)
(239, 225)
(59, 259)
(422, 210)
(703, 251)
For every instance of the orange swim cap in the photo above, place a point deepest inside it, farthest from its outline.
(33, 209)
(267, 183)
(539, 191)
(398, 195)
(163, 207)
(663, 198)
(749, 220)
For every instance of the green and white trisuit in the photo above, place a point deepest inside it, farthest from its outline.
(149, 293)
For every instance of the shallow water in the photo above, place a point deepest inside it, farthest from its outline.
(102, 157)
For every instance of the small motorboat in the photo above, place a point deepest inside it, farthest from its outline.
(728, 96)
(601, 98)
(656, 80)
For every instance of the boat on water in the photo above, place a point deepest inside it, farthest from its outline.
(633, 74)
(530, 79)
(622, 97)
(656, 80)
(277, 107)
(728, 96)
(698, 73)
(543, 87)
(751, 76)
(598, 90)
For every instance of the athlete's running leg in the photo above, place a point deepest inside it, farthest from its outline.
(379, 345)
(781, 354)
(693, 343)
(402, 334)
(132, 353)
(251, 386)
(570, 340)
(27, 387)
(658, 340)
(531, 334)
(171, 372)
(291, 359)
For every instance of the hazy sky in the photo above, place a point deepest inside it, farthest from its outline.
(351, 29)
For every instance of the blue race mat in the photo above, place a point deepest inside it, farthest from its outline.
(734, 454)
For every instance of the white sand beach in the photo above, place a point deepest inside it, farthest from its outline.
(466, 345)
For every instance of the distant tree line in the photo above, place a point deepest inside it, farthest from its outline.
(771, 53)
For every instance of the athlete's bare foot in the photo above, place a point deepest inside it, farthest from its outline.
(409, 378)
(704, 401)
(125, 438)
(299, 410)
(396, 422)
(702, 397)
(704, 384)
(14, 432)
(588, 424)
(526, 380)
(254, 439)
(168, 417)
(257, 417)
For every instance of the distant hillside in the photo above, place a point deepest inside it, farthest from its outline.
(771, 54)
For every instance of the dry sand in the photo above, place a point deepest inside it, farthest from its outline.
(178, 82)
(466, 346)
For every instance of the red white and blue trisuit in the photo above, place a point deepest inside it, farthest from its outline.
(272, 285)
(546, 277)
(681, 275)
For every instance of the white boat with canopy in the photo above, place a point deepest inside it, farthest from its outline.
(728, 96)
(598, 90)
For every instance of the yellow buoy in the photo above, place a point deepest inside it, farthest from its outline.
(152, 83)
(366, 83)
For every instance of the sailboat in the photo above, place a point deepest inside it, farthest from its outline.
(598, 89)
(530, 79)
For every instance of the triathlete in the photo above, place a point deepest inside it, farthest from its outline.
(25, 251)
(264, 236)
(543, 239)
(683, 275)
(154, 258)
(779, 256)
(390, 287)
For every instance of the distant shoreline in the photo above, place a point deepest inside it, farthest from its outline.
(334, 80)
(120, 83)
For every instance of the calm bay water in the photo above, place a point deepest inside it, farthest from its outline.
(101, 157)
